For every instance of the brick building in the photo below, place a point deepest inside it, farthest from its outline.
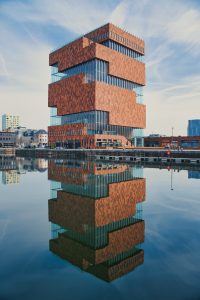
(96, 92)
(185, 142)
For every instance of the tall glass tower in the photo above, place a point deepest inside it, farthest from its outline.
(194, 128)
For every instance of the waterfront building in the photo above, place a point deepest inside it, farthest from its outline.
(7, 139)
(185, 142)
(31, 137)
(24, 136)
(193, 128)
(40, 137)
(9, 122)
(96, 215)
(96, 93)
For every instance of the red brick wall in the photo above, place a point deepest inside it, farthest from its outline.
(121, 105)
(71, 95)
(108, 28)
(110, 273)
(58, 171)
(119, 241)
(59, 134)
(72, 54)
(163, 141)
(119, 65)
(62, 173)
(73, 211)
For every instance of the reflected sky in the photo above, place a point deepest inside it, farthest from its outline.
(85, 230)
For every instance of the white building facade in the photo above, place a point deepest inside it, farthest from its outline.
(9, 122)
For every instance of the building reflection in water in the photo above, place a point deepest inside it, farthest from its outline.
(96, 215)
(194, 174)
(13, 167)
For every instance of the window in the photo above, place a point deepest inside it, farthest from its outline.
(98, 70)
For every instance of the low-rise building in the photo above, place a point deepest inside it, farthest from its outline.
(185, 142)
(23, 137)
(40, 137)
(7, 139)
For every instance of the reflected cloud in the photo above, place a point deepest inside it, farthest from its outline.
(3, 227)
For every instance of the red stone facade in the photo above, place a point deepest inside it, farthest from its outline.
(74, 94)
(59, 133)
(79, 176)
(119, 65)
(118, 35)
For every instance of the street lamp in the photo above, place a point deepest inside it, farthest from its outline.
(172, 180)
(172, 134)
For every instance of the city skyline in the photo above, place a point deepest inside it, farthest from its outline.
(30, 30)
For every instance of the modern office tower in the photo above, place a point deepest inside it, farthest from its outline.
(193, 128)
(96, 93)
(96, 215)
(9, 122)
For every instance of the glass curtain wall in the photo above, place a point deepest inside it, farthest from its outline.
(97, 70)
(97, 123)
(124, 50)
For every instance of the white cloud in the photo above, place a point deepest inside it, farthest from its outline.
(24, 78)
(186, 29)
(77, 16)
(173, 105)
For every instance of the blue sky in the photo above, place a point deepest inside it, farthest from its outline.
(29, 30)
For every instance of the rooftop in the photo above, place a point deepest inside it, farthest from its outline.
(88, 33)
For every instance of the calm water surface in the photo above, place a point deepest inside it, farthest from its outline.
(86, 230)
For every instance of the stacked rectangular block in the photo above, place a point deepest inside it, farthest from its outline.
(74, 94)
(82, 214)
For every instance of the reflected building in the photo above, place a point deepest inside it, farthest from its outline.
(96, 215)
(13, 167)
(10, 177)
(41, 164)
(193, 174)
